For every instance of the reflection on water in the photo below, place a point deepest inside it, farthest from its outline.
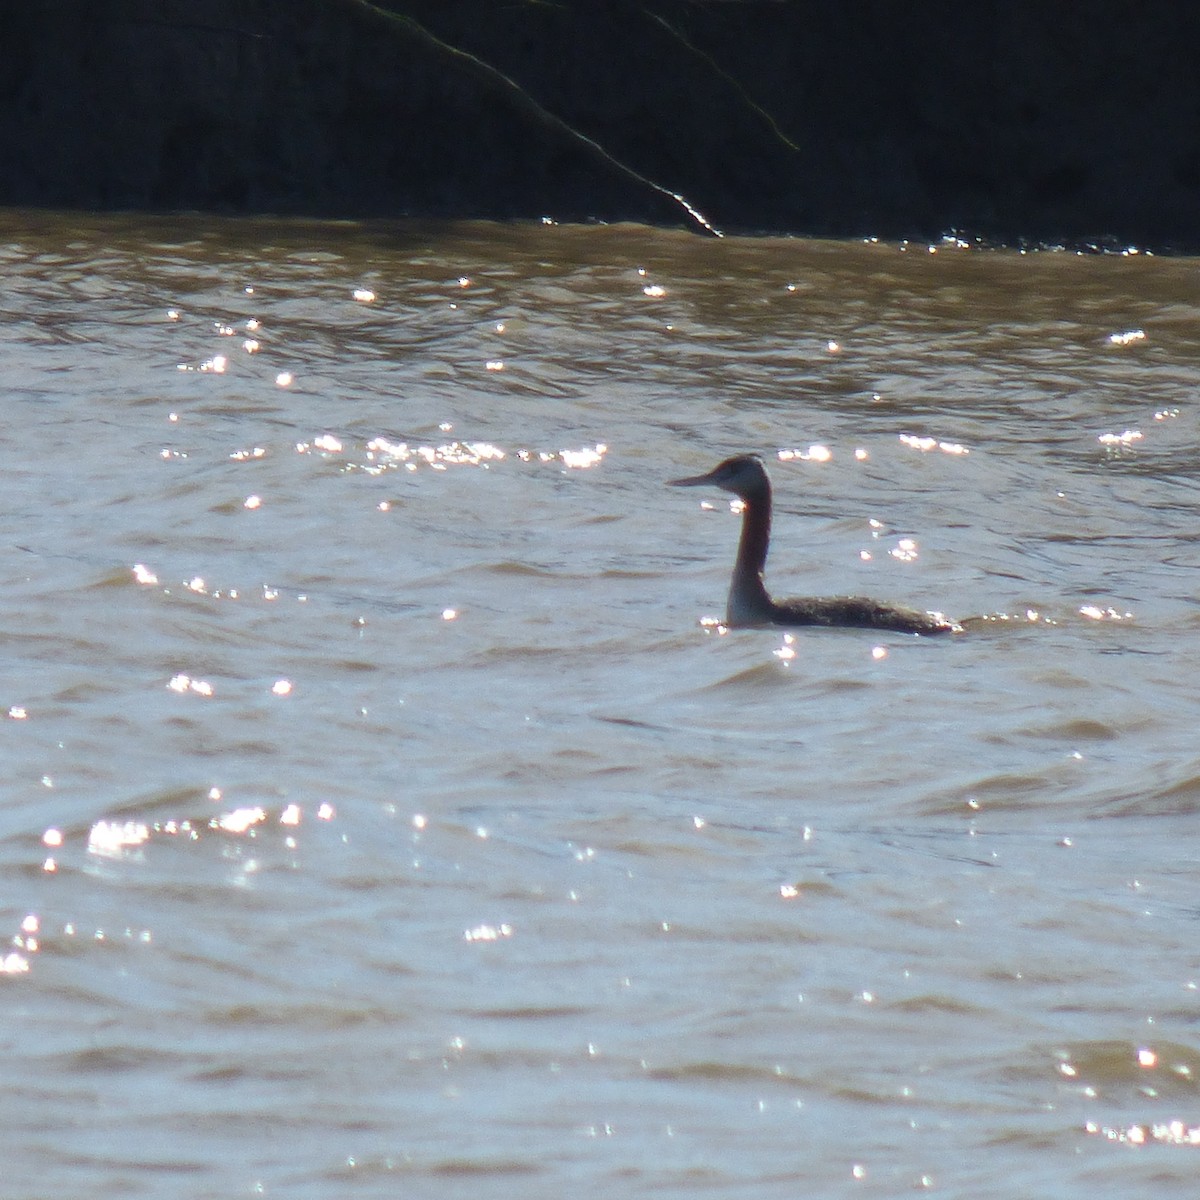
(377, 764)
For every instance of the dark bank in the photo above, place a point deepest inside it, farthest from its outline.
(1009, 122)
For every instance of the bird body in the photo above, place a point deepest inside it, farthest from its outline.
(749, 603)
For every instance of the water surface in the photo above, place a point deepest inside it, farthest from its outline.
(385, 812)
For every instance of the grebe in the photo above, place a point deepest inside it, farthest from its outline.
(746, 477)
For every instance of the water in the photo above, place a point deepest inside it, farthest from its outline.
(381, 816)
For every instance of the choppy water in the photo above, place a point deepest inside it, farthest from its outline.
(379, 817)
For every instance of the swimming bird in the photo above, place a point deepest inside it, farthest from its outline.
(745, 476)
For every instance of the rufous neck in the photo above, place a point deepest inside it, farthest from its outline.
(748, 600)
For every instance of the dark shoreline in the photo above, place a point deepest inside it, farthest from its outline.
(1010, 123)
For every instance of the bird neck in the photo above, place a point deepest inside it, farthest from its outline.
(748, 600)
